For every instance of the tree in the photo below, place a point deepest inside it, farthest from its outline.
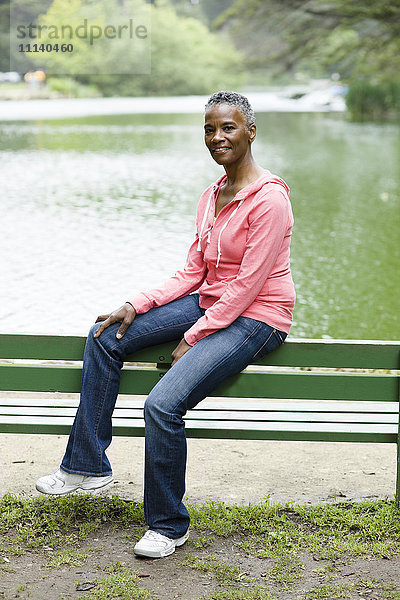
(353, 37)
(186, 58)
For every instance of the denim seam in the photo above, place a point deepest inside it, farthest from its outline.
(266, 342)
(278, 335)
(100, 411)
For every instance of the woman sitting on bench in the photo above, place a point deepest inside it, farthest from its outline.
(231, 304)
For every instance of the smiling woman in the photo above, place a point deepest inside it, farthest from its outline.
(229, 132)
(231, 304)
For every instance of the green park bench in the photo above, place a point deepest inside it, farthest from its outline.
(307, 390)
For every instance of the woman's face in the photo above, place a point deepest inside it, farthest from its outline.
(226, 134)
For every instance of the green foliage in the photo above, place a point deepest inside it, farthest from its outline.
(91, 55)
(377, 101)
(335, 55)
(356, 39)
(67, 86)
(4, 36)
(186, 58)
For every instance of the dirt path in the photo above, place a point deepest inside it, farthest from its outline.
(29, 576)
(234, 471)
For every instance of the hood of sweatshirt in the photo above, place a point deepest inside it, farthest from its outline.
(252, 188)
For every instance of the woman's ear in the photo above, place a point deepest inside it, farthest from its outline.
(252, 132)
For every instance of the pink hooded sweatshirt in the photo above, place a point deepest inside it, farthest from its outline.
(239, 261)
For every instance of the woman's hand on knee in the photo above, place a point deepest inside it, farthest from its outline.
(179, 351)
(124, 315)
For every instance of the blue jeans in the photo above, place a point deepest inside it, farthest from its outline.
(200, 370)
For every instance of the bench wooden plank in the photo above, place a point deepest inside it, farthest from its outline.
(42, 347)
(322, 406)
(220, 415)
(293, 353)
(211, 424)
(311, 385)
(226, 430)
(300, 385)
(354, 354)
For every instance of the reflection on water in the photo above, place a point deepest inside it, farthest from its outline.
(97, 209)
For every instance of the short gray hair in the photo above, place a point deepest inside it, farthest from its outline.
(233, 99)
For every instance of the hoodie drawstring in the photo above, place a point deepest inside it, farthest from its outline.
(205, 216)
(222, 229)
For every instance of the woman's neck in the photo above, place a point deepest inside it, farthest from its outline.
(238, 176)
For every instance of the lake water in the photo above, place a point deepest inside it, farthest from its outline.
(95, 209)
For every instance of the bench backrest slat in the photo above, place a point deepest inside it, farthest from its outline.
(294, 353)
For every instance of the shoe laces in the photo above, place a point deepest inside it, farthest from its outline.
(155, 536)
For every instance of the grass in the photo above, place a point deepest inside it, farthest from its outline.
(281, 534)
(122, 583)
(364, 528)
(328, 591)
(204, 541)
(50, 522)
(286, 570)
(259, 593)
(222, 572)
(67, 556)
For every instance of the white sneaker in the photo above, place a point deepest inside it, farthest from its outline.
(156, 545)
(61, 483)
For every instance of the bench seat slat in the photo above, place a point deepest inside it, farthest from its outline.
(325, 406)
(353, 428)
(242, 416)
(118, 422)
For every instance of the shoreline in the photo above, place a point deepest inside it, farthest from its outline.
(279, 100)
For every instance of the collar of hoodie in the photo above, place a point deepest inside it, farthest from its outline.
(239, 198)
